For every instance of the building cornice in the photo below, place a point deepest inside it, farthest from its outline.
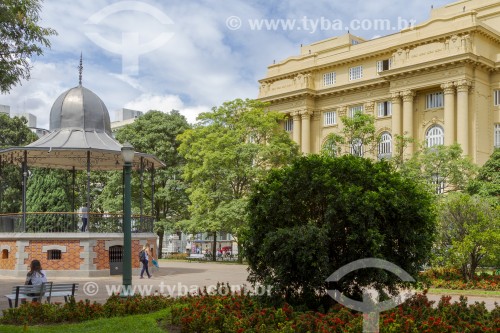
(479, 28)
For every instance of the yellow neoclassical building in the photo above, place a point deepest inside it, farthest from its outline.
(438, 82)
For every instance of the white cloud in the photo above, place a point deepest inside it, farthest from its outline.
(203, 65)
(166, 103)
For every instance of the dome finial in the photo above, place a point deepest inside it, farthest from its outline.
(80, 69)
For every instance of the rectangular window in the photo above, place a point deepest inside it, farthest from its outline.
(384, 108)
(384, 65)
(497, 136)
(434, 100)
(329, 79)
(330, 118)
(355, 73)
(54, 255)
(289, 125)
(355, 109)
(496, 97)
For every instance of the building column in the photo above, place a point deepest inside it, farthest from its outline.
(408, 97)
(296, 127)
(449, 113)
(463, 115)
(306, 131)
(396, 114)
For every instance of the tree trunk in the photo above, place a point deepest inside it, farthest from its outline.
(214, 248)
(160, 245)
(240, 257)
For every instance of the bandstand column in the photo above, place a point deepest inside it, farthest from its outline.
(463, 115)
(142, 189)
(88, 188)
(449, 113)
(306, 131)
(25, 186)
(408, 97)
(296, 127)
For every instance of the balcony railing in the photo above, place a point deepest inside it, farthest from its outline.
(72, 222)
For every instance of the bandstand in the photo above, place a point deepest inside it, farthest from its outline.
(80, 138)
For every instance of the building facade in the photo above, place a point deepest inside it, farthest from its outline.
(437, 82)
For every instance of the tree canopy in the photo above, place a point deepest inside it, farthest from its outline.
(13, 132)
(20, 39)
(226, 152)
(358, 137)
(156, 133)
(487, 182)
(468, 232)
(443, 168)
(321, 213)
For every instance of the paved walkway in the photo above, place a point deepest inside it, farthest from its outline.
(173, 278)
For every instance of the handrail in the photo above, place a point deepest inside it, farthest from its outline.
(72, 222)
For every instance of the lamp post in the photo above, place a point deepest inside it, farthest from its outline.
(128, 157)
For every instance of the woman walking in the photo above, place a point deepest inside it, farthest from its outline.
(145, 255)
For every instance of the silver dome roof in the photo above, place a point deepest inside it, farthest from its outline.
(80, 108)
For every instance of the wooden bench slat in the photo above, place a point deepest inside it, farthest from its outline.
(23, 292)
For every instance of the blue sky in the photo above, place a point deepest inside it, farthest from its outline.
(189, 55)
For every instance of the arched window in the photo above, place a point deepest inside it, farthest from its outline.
(330, 148)
(5, 254)
(357, 147)
(385, 146)
(434, 136)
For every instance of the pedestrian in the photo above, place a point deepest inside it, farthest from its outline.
(85, 217)
(36, 275)
(144, 257)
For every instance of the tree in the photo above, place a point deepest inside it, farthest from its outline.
(487, 182)
(443, 168)
(468, 232)
(21, 38)
(321, 213)
(358, 137)
(156, 133)
(49, 191)
(229, 150)
(13, 132)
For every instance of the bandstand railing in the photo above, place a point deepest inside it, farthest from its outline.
(72, 222)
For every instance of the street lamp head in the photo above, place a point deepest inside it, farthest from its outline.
(128, 152)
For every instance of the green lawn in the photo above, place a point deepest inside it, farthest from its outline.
(470, 292)
(129, 324)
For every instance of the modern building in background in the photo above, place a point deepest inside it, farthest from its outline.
(124, 117)
(438, 82)
(5, 109)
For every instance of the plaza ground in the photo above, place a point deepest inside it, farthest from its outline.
(174, 278)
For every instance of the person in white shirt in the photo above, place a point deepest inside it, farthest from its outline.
(36, 275)
(85, 218)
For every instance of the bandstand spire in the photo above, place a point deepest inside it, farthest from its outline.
(80, 69)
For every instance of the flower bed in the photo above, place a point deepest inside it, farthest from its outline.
(244, 314)
(34, 313)
(239, 314)
(448, 278)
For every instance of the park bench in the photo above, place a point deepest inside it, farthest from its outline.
(196, 256)
(49, 290)
(65, 290)
(24, 292)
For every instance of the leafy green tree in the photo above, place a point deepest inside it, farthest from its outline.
(155, 133)
(443, 168)
(468, 232)
(49, 191)
(229, 150)
(321, 213)
(21, 38)
(13, 132)
(487, 182)
(358, 137)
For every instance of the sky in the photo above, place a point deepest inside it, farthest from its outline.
(188, 55)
